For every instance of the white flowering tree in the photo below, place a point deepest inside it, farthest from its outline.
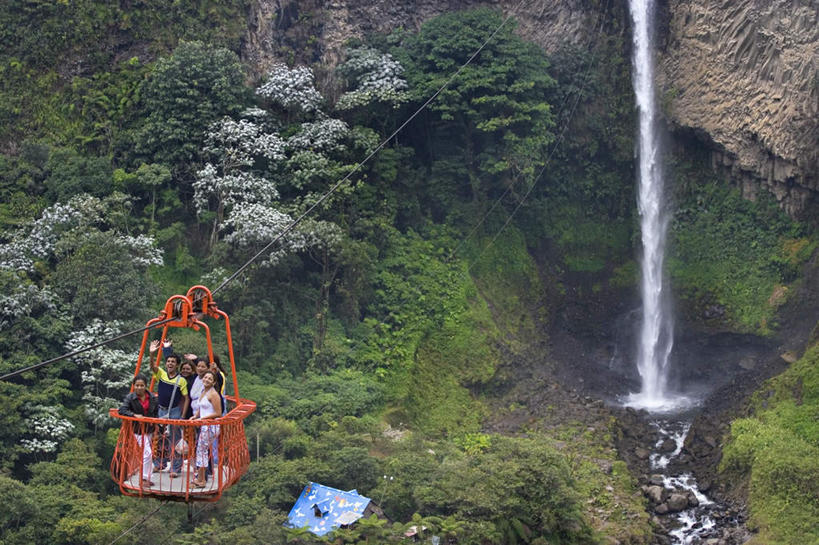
(59, 227)
(373, 77)
(238, 189)
(275, 162)
(231, 181)
(77, 256)
(291, 89)
(21, 297)
(105, 372)
(47, 429)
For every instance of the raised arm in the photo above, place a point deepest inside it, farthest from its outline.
(152, 350)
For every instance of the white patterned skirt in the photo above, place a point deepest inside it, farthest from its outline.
(206, 444)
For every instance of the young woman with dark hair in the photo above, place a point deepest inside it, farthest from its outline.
(142, 403)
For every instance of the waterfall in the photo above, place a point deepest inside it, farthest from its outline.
(656, 335)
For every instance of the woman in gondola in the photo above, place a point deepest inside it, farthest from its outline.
(209, 407)
(141, 403)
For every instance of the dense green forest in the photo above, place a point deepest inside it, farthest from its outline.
(139, 157)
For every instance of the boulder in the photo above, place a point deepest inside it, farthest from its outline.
(677, 502)
(654, 493)
(641, 453)
(669, 445)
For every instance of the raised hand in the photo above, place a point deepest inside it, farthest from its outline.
(154, 346)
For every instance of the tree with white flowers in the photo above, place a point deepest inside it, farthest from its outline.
(93, 262)
(62, 224)
(47, 429)
(105, 372)
(248, 160)
(291, 90)
(374, 77)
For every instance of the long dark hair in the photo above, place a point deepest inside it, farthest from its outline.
(218, 363)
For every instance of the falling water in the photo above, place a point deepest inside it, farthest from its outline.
(656, 335)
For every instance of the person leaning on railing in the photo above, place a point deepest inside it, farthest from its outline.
(142, 403)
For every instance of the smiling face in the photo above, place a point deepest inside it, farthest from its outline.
(171, 364)
(186, 369)
(201, 367)
(208, 379)
(140, 387)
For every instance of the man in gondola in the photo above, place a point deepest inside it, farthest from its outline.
(172, 391)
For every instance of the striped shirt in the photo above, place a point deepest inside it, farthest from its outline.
(165, 388)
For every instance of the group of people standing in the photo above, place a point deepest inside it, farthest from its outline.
(188, 388)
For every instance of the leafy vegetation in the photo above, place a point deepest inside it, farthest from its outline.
(733, 259)
(775, 451)
(137, 160)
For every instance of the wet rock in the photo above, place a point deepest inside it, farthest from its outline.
(692, 500)
(668, 446)
(713, 311)
(789, 356)
(748, 363)
(641, 453)
(705, 485)
(654, 493)
(677, 502)
(662, 509)
(656, 479)
(661, 539)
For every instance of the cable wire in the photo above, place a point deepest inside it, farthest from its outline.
(537, 178)
(140, 523)
(378, 148)
(81, 350)
(563, 103)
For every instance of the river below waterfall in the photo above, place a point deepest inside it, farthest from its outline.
(683, 510)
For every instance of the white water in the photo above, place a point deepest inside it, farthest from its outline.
(693, 525)
(656, 334)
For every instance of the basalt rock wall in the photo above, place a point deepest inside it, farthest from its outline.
(740, 74)
(743, 74)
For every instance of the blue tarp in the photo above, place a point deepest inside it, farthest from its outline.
(323, 509)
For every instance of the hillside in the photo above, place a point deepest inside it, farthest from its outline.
(450, 327)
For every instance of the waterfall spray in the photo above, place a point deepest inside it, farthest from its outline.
(656, 335)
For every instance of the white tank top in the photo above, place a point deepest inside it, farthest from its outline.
(205, 406)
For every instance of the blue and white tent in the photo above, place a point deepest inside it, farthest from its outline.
(323, 509)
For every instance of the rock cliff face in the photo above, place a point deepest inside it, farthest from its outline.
(740, 74)
(744, 73)
(548, 24)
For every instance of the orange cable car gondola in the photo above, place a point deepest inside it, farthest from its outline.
(230, 456)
